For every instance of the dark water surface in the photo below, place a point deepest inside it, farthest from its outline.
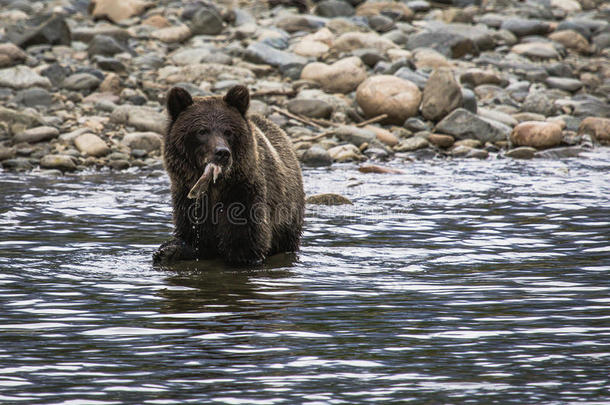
(456, 282)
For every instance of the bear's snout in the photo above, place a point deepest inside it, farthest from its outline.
(222, 155)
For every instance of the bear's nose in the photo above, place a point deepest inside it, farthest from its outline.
(222, 154)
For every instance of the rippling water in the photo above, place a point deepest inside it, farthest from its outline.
(456, 282)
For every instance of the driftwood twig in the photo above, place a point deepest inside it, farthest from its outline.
(372, 120)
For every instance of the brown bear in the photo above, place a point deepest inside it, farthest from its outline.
(236, 184)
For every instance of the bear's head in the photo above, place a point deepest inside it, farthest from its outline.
(207, 135)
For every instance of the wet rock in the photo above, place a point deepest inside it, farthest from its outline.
(475, 77)
(316, 156)
(354, 135)
(81, 81)
(416, 125)
(11, 55)
(206, 21)
(560, 153)
(440, 140)
(34, 97)
(572, 40)
(469, 101)
(60, 162)
(522, 152)
(448, 44)
(342, 76)
(104, 45)
(538, 50)
(17, 164)
(462, 124)
(119, 164)
(334, 8)
(22, 77)
(598, 127)
(351, 41)
(441, 95)
(37, 134)
(92, 145)
(411, 144)
(378, 169)
(328, 199)
(259, 52)
(522, 27)
(310, 108)
(345, 153)
(142, 118)
(538, 135)
(172, 35)
(477, 154)
(390, 95)
(564, 83)
(12, 117)
(147, 141)
(41, 30)
(6, 153)
(383, 135)
(118, 10)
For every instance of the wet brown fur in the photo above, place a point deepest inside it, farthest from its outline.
(264, 177)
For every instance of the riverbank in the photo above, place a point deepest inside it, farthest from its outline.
(84, 88)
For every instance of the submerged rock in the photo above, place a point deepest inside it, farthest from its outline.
(328, 199)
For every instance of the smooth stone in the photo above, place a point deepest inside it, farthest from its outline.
(147, 141)
(461, 151)
(86, 34)
(411, 144)
(564, 83)
(11, 55)
(522, 152)
(415, 125)
(470, 143)
(11, 117)
(295, 23)
(310, 108)
(345, 153)
(477, 154)
(539, 103)
(142, 118)
(451, 45)
(17, 164)
(119, 164)
(441, 95)
(354, 135)
(92, 145)
(475, 77)
(328, 199)
(60, 162)
(172, 35)
(378, 169)
(316, 156)
(369, 57)
(118, 10)
(38, 134)
(441, 140)
(342, 76)
(499, 116)
(419, 5)
(81, 81)
(383, 135)
(191, 56)
(560, 153)
(110, 64)
(469, 100)
(202, 71)
(6, 153)
(351, 41)
(569, 6)
(206, 21)
(49, 29)
(394, 10)
(463, 124)
(522, 27)
(420, 79)
(397, 98)
(428, 58)
(538, 135)
(34, 97)
(334, 8)
(572, 40)
(104, 45)
(597, 127)
(22, 77)
(259, 52)
(539, 50)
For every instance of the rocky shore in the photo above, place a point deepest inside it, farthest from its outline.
(82, 83)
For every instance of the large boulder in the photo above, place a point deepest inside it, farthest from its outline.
(342, 76)
(537, 134)
(391, 95)
(463, 124)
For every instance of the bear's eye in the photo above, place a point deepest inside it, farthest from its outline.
(202, 132)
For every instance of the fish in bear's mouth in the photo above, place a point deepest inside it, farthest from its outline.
(210, 173)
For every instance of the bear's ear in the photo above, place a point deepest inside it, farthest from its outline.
(238, 97)
(178, 100)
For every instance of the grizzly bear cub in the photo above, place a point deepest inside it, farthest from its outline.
(236, 183)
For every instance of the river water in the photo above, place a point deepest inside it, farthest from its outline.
(456, 282)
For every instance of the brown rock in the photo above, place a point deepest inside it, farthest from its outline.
(391, 95)
(429, 58)
(537, 134)
(374, 8)
(111, 84)
(92, 145)
(572, 40)
(117, 10)
(475, 77)
(537, 50)
(342, 76)
(11, 55)
(596, 126)
(328, 199)
(441, 95)
(157, 21)
(356, 40)
(383, 135)
(378, 169)
(440, 140)
(173, 34)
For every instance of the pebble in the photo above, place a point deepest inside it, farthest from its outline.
(411, 144)
(563, 83)
(60, 162)
(81, 81)
(38, 134)
(328, 199)
(522, 152)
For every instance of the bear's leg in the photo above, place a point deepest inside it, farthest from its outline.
(173, 250)
(244, 242)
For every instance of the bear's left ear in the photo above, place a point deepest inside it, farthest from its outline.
(238, 97)
(178, 100)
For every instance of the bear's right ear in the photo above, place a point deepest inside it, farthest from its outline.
(178, 100)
